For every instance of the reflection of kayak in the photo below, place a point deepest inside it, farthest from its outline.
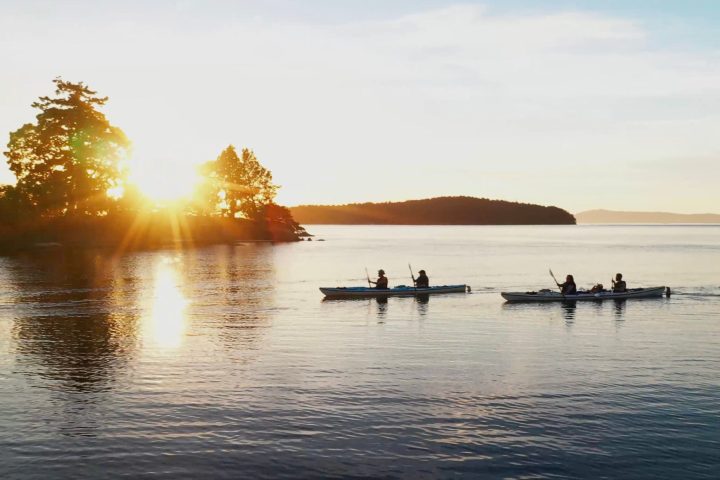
(550, 296)
(402, 290)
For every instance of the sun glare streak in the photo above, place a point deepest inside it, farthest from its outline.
(164, 181)
(116, 192)
(165, 322)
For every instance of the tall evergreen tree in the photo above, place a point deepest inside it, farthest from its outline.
(239, 183)
(67, 161)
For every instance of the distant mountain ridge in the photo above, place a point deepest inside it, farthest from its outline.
(613, 216)
(434, 211)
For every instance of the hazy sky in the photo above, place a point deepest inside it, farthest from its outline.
(579, 104)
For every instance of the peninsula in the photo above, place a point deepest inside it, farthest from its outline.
(612, 216)
(434, 211)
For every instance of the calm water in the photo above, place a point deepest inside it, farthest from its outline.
(224, 362)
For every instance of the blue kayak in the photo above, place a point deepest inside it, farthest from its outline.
(552, 296)
(399, 291)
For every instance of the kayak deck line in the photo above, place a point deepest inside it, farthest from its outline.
(552, 296)
(399, 291)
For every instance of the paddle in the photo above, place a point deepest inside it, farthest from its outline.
(556, 282)
(412, 276)
(368, 277)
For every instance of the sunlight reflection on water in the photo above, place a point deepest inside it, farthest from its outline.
(165, 320)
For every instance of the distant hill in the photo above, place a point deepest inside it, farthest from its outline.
(610, 216)
(434, 211)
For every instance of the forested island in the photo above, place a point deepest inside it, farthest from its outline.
(72, 188)
(434, 211)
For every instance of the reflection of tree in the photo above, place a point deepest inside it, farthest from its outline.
(70, 328)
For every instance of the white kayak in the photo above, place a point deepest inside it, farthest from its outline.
(399, 291)
(553, 296)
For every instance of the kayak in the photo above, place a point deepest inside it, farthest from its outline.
(552, 296)
(399, 291)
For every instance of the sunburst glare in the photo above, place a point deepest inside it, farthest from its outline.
(164, 181)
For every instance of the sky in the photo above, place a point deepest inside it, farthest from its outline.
(579, 104)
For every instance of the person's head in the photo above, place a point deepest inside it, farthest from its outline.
(570, 279)
(618, 276)
(381, 272)
(422, 272)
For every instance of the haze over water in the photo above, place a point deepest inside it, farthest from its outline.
(224, 362)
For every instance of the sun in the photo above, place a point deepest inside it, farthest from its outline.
(164, 181)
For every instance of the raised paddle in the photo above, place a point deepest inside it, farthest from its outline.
(368, 278)
(553, 277)
(412, 276)
(556, 282)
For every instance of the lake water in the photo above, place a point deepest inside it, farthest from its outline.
(224, 362)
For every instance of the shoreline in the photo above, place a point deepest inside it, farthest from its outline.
(146, 231)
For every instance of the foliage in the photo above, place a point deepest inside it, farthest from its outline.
(67, 161)
(275, 214)
(12, 204)
(435, 211)
(71, 187)
(237, 185)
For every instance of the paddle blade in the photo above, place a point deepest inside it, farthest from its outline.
(552, 275)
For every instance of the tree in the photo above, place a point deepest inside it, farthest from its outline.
(238, 184)
(66, 162)
(12, 205)
(275, 214)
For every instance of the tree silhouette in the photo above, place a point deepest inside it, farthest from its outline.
(72, 188)
(434, 211)
(67, 161)
(238, 184)
(12, 204)
(277, 217)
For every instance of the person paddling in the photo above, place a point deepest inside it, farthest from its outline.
(382, 281)
(422, 281)
(568, 288)
(619, 285)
